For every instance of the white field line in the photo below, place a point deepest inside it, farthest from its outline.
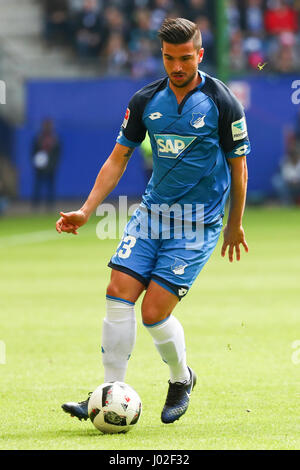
(34, 237)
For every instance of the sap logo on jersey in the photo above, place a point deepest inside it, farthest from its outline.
(171, 146)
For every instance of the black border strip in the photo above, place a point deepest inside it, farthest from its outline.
(172, 286)
(130, 272)
(145, 282)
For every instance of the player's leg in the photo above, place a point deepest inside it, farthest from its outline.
(131, 265)
(50, 191)
(131, 268)
(165, 329)
(179, 261)
(118, 333)
(119, 324)
(168, 336)
(36, 196)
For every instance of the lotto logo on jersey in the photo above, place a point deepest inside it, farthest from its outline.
(239, 129)
(242, 150)
(126, 118)
(171, 146)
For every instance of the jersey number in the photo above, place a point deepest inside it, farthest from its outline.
(125, 246)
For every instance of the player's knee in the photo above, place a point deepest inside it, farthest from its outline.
(150, 315)
(115, 290)
(120, 291)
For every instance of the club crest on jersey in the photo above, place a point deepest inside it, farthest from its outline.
(198, 120)
(171, 145)
(178, 267)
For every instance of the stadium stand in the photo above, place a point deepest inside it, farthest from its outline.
(90, 38)
(123, 32)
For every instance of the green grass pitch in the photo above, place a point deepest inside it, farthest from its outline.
(241, 322)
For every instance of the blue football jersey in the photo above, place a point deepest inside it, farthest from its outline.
(190, 141)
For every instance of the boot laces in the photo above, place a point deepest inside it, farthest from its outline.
(84, 402)
(175, 393)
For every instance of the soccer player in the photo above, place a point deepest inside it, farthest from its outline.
(199, 142)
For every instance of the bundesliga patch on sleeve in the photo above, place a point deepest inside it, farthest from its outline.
(239, 129)
(126, 118)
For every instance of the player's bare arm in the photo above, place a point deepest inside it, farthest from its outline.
(234, 234)
(107, 179)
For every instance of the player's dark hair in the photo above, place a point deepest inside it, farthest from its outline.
(179, 31)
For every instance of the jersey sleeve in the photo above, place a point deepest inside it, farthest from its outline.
(133, 130)
(232, 126)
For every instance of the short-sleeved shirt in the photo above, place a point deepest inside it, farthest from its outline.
(190, 141)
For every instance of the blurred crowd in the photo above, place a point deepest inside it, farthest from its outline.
(122, 34)
(264, 31)
(286, 182)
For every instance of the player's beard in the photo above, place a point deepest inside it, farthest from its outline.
(186, 82)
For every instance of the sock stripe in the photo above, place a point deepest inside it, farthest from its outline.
(118, 299)
(157, 323)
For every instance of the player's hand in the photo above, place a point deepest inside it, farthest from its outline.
(233, 238)
(70, 221)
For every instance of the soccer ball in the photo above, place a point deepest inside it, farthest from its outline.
(114, 407)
